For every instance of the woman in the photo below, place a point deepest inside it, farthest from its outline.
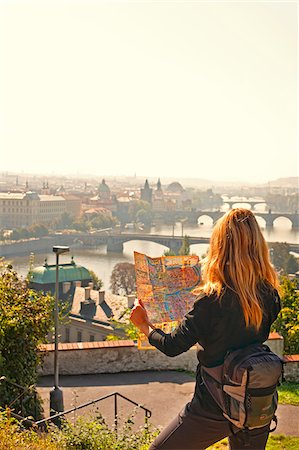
(237, 304)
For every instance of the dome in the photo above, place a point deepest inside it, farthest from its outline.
(175, 187)
(46, 274)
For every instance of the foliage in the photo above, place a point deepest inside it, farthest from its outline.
(122, 279)
(96, 220)
(282, 259)
(86, 434)
(130, 331)
(140, 211)
(101, 220)
(144, 216)
(281, 202)
(35, 231)
(169, 253)
(206, 199)
(25, 320)
(65, 221)
(97, 282)
(287, 323)
(185, 248)
(289, 394)
(94, 434)
(13, 437)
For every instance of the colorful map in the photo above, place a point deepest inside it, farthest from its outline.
(167, 285)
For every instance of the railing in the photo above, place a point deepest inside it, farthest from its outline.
(23, 396)
(58, 416)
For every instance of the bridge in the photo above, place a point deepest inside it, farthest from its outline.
(231, 202)
(115, 241)
(193, 216)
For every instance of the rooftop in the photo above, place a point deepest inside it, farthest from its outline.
(46, 274)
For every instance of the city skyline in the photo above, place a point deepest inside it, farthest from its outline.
(189, 90)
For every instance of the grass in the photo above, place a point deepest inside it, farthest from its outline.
(289, 394)
(277, 442)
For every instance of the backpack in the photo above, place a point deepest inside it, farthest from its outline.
(244, 386)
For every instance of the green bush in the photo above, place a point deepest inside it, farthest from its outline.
(86, 434)
(25, 320)
(287, 323)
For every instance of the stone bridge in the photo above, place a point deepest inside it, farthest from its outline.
(248, 201)
(115, 241)
(194, 216)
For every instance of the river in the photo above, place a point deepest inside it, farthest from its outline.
(102, 263)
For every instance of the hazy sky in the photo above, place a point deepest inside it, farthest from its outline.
(160, 88)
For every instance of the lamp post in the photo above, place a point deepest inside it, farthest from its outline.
(56, 395)
(182, 224)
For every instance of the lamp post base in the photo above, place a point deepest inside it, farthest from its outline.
(56, 404)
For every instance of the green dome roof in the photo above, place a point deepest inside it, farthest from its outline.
(46, 274)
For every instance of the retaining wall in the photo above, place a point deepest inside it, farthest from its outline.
(82, 358)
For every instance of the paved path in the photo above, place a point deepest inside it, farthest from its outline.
(164, 393)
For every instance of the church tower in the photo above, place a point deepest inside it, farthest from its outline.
(146, 192)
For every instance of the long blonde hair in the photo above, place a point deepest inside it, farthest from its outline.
(238, 258)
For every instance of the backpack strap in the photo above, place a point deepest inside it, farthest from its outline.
(275, 426)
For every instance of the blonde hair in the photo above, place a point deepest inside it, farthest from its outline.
(238, 258)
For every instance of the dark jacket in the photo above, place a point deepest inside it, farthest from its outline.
(217, 325)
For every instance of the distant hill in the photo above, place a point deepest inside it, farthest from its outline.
(285, 182)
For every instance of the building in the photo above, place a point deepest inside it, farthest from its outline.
(146, 193)
(92, 313)
(104, 199)
(21, 210)
(70, 275)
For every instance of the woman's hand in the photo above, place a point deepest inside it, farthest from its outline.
(139, 318)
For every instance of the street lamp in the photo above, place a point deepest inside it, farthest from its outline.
(56, 395)
(182, 224)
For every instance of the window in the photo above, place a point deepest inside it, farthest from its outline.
(91, 338)
(79, 336)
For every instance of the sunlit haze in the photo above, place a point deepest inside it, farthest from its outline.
(170, 89)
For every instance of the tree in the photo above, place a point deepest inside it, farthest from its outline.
(144, 216)
(140, 205)
(185, 248)
(282, 259)
(122, 279)
(292, 265)
(65, 221)
(25, 320)
(97, 282)
(169, 252)
(287, 323)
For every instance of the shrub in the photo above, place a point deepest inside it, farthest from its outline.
(25, 320)
(287, 323)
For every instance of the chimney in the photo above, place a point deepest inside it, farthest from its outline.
(88, 308)
(90, 284)
(77, 283)
(66, 286)
(101, 296)
(87, 293)
(131, 299)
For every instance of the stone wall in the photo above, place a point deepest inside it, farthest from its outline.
(291, 368)
(124, 356)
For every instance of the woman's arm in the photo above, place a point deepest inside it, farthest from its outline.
(171, 344)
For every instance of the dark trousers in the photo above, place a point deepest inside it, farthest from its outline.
(196, 429)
